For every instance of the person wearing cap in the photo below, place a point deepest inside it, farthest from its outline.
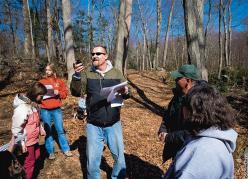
(171, 130)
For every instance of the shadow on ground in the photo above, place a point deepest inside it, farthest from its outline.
(136, 167)
(149, 104)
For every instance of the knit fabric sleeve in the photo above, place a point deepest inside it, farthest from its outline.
(63, 91)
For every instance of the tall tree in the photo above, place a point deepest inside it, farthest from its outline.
(29, 50)
(167, 33)
(124, 22)
(146, 50)
(91, 3)
(12, 26)
(193, 14)
(229, 33)
(220, 39)
(157, 44)
(207, 26)
(69, 46)
(50, 41)
(224, 20)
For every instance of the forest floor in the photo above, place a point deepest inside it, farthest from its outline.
(141, 118)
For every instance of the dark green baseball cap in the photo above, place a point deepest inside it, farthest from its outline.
(188, 71)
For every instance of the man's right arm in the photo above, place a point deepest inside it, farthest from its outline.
(78, 84)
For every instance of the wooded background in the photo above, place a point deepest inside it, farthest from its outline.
(139, 34)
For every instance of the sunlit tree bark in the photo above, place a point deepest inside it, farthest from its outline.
(193, 14)
(167, 33)
(124, 22)
(69, 46)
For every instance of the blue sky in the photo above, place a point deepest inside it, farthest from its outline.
(239, 10)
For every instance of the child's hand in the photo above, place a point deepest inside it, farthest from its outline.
(56, 92)
(162, 136)
(42, 130)
(24, 147)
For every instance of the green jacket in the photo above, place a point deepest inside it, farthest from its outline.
(90, 82)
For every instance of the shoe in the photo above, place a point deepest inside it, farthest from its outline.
(68, 154)
(51, 156)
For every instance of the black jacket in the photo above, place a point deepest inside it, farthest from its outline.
(91, 82)
(173, 125)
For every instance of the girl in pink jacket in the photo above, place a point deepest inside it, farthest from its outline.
(26, 123)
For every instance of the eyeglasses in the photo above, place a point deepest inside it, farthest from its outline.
(98, 53)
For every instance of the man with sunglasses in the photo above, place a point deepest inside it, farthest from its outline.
(171, 131)
(103, 121)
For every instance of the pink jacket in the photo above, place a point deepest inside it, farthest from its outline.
(26, 120)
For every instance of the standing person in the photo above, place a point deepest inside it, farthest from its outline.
(103, 121)
(26, 121)
(51, 110)
(208, 154)
(171, 130)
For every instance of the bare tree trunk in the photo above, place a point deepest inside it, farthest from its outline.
(128, 15)
(124, 22)
(137, 57)
(220, 39)
(193, 14)
(69, 47)
(167, 32)
(31, 33)
(144, 29)
(229, 33)
(206, 30)
(27, 30)
(182, 55)
(225, 35)
(90, 33)
(50, 42)
(159, 18)
(13, 31)
(119, 45)
(59, 37)
(144, 52)
(90, 23)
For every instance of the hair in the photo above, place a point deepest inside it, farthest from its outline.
(10, 167)
(207, 108)
(54, 68)
(99, 45)
(35, 90)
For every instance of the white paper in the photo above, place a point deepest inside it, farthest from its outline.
(112, 94)
(117, 101)
(50, 92)
(6, 146)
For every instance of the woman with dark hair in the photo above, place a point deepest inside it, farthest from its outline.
(26, 124)
(51, 110)
(207, 153)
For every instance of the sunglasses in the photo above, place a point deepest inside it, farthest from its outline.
(98, 53)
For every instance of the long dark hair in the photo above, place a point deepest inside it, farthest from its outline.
(207, 108)
(35, 90)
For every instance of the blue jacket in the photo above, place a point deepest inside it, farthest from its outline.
(207, 156)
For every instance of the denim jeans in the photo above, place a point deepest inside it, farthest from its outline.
(56, 114)
(112, 136)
